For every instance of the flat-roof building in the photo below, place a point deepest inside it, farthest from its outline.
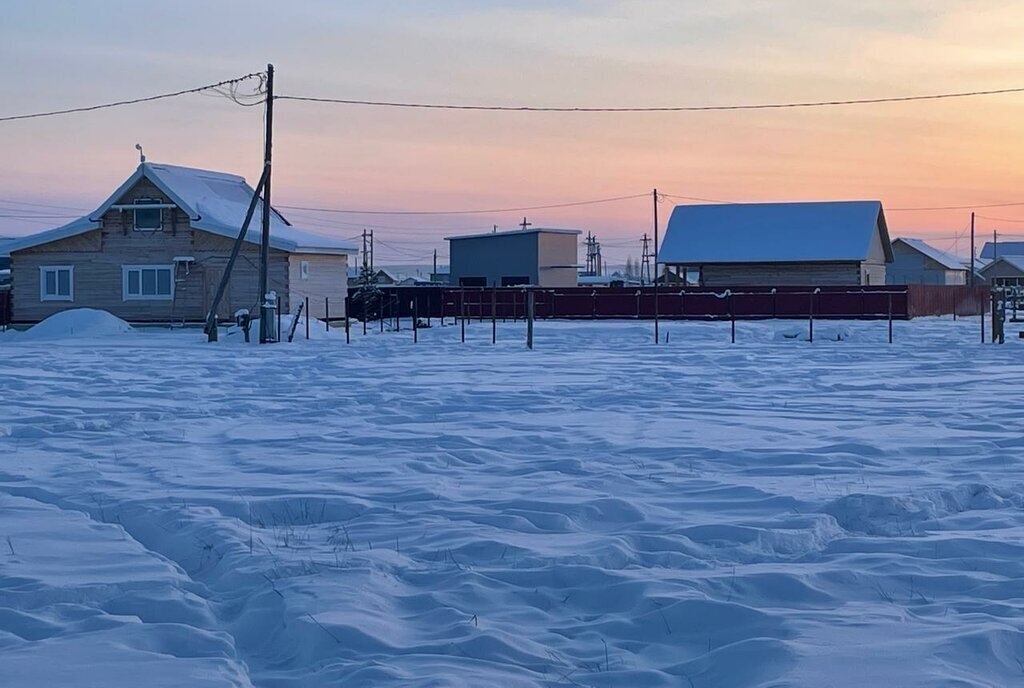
(541, 257)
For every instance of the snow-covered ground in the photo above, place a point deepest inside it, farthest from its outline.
(597, 512)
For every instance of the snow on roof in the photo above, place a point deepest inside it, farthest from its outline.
(946, 260)
(1016, 262)
(4, 243)
(773, 232)
(531, 230)
(1003, 248)
(215, 202)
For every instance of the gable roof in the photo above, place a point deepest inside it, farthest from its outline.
(946, 260)
(1016, 262)
(1003, 248)
(823, 231)
(214, 201)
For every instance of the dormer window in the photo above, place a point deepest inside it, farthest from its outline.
(148, 219)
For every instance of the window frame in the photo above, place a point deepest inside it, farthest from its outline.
(127, 269)
(159, 212)
(304, 269)
(57, 269)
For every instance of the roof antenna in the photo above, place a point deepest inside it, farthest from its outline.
(142, 156)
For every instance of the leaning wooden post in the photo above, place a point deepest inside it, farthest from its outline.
(279, 318)
(494, 315)
(307, 317)
(348, 339)
(983, 306)
(529, 318)
(415, 318)
(327, 315)
(380, 312)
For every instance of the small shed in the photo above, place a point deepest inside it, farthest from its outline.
(918, 262)
(538, 256)
(779, 244)
(1004, 271)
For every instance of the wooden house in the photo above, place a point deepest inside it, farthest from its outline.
(156, 249)
(1004, 271)
(918, 262)
(779, 244)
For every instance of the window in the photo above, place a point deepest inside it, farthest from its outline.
(57, 283)
(304, 270)
(148, 219)
(147, 282)
(507, 281)
(472, 281)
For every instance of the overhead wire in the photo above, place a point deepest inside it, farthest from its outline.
(673, 108)
(147, 99)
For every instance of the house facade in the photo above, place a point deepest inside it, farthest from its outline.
(1004, 271)
(917, 262)
(157, 248)
(538, 257)
(830, 243)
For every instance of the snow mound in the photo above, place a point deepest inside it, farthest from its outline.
(79, 322)
(824, 334)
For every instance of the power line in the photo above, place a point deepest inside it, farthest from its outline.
(682, 108)
(44, 205)
(346, 211)
(996, 219)
(220, 85)
(957, 207)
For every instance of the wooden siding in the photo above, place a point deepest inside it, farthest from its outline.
(98, 257)
(327, 278)
(785, 274)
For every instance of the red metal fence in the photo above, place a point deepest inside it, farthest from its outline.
(678, 303)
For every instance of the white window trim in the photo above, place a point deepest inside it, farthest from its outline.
(125, 269)
(144, 202)
(43, 269)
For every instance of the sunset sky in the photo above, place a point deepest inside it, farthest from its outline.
(595, 53)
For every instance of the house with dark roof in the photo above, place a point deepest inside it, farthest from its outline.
(1004, 271)
(779, 244)
(155, 251)
(918, 262)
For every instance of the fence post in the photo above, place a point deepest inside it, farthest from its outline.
(415, 318)
(279, 318)
(398, 313)
(529, 318)
(732, 315)
(327, 316)
(347, 336)
(775, 303)
(810, 320)
(890, 317)
(494, 315)
(983, 307)
(306, 311)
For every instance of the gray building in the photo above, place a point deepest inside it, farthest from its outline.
(779, 244)
(156, 249)
(540, 257)
(995, 249)
(917, 262)
(1004, 271)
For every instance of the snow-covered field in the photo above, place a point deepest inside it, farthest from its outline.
(597, 512)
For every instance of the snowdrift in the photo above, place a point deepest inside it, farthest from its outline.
(78, 323)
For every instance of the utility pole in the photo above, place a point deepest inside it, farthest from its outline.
(266, 321)
(657, 339)
(434, 276)
(972, 250)
(524, 224)
(995, 244)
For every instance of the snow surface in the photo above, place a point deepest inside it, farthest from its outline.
(597, 512)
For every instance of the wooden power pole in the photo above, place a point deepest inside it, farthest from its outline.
(656, 335)
(972, 251)
(266, 321)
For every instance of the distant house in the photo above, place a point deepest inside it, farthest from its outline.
(156, 249)
(540, 257)
(615, 280)
(5, 262)
(994, 249)
(381, 277)
(917, 262)
(1004, 271)
(775, 244)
